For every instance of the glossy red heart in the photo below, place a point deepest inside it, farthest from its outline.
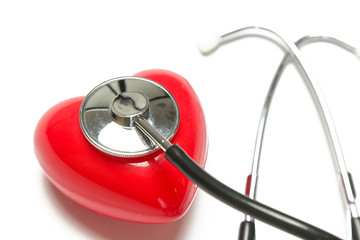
(145, 189)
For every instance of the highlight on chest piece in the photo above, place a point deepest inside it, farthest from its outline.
(109, 113)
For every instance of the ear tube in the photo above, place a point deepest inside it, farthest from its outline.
(253, 179)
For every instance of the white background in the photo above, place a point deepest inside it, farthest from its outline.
(54, 50)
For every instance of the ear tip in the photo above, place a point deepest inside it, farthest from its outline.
(208, 44)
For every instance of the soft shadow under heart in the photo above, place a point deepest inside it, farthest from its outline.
(102, 227)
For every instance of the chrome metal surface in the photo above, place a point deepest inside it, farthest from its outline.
(151, 133)
(128, 106)
(266, 107)
(340, 161)
(109, 111)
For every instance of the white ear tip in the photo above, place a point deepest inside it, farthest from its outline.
(208, 44)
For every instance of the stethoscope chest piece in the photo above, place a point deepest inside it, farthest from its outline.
(109, 112)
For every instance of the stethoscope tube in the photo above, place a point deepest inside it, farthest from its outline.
(252, 185)
(355, 228)
(226, 194)
(240, 202)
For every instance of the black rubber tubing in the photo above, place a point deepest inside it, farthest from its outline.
(355, 227)
(240, 202)
(247, 231)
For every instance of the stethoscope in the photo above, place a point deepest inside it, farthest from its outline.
(137, 111)
(247, 228)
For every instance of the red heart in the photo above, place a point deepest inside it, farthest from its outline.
(145, 189)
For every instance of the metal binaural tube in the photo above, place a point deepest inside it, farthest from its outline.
(347, 188)
(294, 53)
(316, 93)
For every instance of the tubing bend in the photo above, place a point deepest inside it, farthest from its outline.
(240, 202)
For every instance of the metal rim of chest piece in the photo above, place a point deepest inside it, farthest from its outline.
(108, 112)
